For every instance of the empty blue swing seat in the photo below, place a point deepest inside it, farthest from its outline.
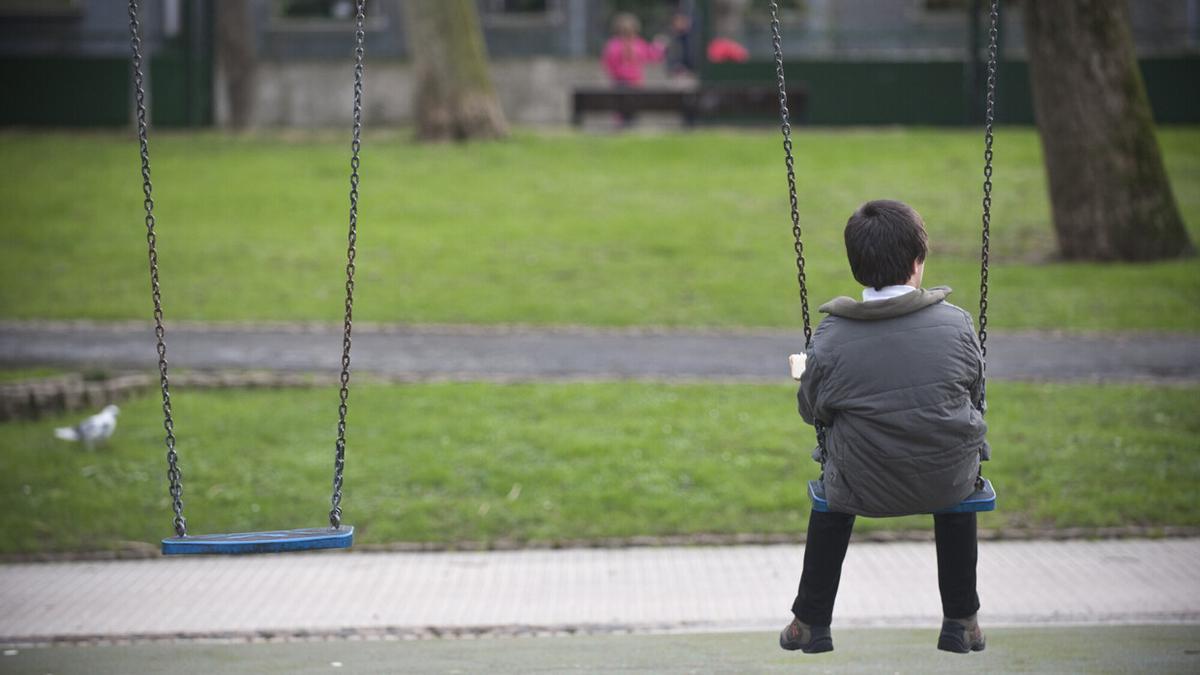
(275, 541)
(983, 499)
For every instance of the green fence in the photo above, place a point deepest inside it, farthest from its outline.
(940, 93)
(97, 92)
(64, 91)
(91, 92)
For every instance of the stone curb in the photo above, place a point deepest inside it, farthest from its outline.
(144, 550)
(379, 328)
(33, 398)
(490, 632)
(372, 634)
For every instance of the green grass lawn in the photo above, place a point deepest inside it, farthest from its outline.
(10, 375)
(674, 229)
(484, 462)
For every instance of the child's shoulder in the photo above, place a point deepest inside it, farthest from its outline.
(954, 309)
(941, 312)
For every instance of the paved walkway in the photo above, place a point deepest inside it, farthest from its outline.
(583, 590)
(423, 353)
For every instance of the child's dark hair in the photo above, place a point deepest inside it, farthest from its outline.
(883, 240)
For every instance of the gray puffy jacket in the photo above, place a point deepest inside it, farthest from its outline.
(896, 383)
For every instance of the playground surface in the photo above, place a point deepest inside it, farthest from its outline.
(1058, 649)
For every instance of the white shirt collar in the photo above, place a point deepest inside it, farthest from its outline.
(870, 294)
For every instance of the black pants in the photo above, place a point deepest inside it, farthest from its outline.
(829, 536)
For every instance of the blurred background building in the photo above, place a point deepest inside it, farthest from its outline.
(66, 62)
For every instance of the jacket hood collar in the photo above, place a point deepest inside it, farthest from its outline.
(887, 308)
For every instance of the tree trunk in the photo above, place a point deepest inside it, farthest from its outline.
(1108, 188)
(455, 97)
(236, 58)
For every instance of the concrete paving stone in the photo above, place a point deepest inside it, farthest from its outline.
(589, 590)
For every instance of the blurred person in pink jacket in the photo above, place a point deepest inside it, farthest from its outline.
(627, 53)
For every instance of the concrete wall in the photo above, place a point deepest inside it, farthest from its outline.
(318, 93)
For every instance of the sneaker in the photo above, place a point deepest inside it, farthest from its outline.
(806, 638)
(961, 636)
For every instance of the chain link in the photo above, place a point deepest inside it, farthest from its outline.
(174, 475)
(786, 128)
(989, 119)
(798, 242)
(339, 462)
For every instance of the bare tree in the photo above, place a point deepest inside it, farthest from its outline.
(455, 96)
(236, 58)
(1108, 187)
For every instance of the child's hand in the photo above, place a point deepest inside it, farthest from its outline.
(797, 362)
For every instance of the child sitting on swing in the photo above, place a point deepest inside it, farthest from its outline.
(897, 382)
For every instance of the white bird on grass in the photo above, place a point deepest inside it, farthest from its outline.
(96, 428)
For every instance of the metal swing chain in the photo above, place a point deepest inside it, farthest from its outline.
(798, 242)
(174, 475)
(989, 119)
(786, 127)
(339, 462)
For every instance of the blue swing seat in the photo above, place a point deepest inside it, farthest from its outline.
(983, 499)
(276, 541)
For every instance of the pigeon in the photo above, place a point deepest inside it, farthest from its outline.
(93, 429)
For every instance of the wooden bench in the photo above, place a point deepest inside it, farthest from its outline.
(714, 101)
